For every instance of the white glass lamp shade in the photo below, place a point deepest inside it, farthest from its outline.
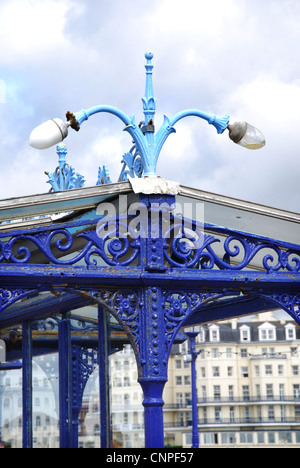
(244, 134)
(48, 134)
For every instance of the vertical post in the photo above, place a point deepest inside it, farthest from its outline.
(65, 381)
(153, 412)
(153, 356)
(27, 384)
(103, 355)
(194, 355)
(61, 152)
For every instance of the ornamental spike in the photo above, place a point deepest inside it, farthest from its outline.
(149, 101)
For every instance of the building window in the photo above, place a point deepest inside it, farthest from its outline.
(271, 413)
(178, 380)
(216, 371)
(246, 437)
(290, 332)
(269, 389)
(268, 369)
(230, 392)
(297, 413)
(178, 364)
(260, 437)
(188, 398)
(246, 392)
(296, 391)
(217, 392)
(210, 438)
(245, 333)
(228, 438)
(187, 380)
(285, 437)
(229, 371)
(267, 332)
(218, 413)
(294, 352)
(245, 372)
(295, 370)
(244, 353)
(281, 391)
(179, 399)
(271, 437)
(214, 333)
(201, 337)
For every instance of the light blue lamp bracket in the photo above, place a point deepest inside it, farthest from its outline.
(103, 176)
(147, 142)
(132, 165)
(64, 177)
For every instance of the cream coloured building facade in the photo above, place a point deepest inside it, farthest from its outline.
(248, 387)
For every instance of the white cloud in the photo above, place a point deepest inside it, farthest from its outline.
(30, 28)
(236, 57)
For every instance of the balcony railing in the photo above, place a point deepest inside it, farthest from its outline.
(236, 421)
(231, 399)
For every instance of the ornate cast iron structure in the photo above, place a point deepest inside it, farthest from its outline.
(152, 284)
(154, 272)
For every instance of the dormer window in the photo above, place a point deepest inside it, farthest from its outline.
(214, 333)
(245, 333)
(290, 332)
(267, 332)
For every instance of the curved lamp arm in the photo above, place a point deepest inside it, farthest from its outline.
(148, 143)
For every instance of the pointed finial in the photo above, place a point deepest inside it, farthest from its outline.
(149, 56)
(149, 101)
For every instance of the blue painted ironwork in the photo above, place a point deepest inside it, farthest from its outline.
(153, 280)
(27, 385)
(65, 383)
(103, 176)
(185, 245)
(132, 165)
(84, 362)
(103, 350)
(153, 292)
(194, 354)
(64, 177)
(147, 142)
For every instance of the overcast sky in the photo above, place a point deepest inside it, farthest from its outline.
(236, 57)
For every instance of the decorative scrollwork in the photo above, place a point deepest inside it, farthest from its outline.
(84, 362)
(177, 306)
(124, 304)
(288, 302)
(187, 245)
(103, 176)
(110, 242)
(132, 165)
(9, 296)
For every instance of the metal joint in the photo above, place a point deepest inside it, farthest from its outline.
(148, 129)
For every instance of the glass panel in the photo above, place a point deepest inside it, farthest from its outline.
(45, 384)
(85, 377)
(126, 397)
(11, 389)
